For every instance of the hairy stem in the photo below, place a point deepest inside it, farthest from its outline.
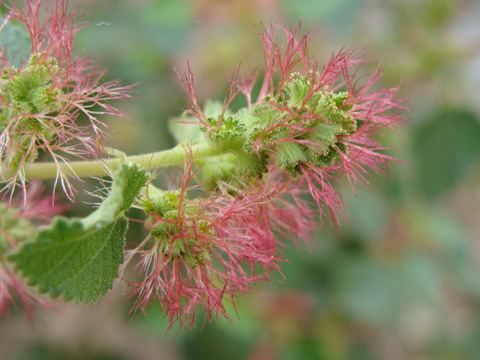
(102, 167)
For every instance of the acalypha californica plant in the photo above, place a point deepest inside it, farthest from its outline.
(249, 179)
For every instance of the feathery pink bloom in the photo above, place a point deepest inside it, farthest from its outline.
(71, 88)
(362, 110)
(371, 109)
(228, 242)
(311, 125)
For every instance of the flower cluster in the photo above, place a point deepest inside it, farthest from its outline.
(314, 123)
(308, 127)
(43, 101)
(202, 249)
(252, 178)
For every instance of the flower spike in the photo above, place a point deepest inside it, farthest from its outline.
(43, 100)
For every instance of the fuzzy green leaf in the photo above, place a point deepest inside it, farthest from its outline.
(69, 260)
(78, 259)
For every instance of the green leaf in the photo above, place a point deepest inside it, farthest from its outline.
(128, 181)
(186, 129)
(72, 261)
(78, 259)
(445, 148)
(15, 42)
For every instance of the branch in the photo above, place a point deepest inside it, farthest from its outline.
(103, 167)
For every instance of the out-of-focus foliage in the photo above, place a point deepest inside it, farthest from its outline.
(445, 147)
(400, 279)
(14, 41)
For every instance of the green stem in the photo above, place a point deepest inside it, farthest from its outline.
(102, 167)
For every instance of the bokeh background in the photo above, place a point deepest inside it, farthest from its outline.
(400, 279)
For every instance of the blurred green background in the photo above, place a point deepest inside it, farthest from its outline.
(400, 280)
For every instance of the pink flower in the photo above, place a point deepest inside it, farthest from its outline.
(208, 250)
(316, 123)
(50, 93)
(309, 127)
(312, 101)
